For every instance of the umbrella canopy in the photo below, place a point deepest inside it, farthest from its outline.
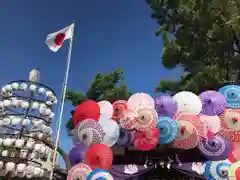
(212, 125)
(79, 171)
(215, 148)
(106, 110)
(165, 106)
(217, 169)
(126, 138)
(146, 140)
(188, 102)
(111, 130)
(99, 174)
(77, 154)
(118, 109)
(232, 95)
(213, 103)
(88, 132)
(87, 110)
(168, 129)
(230, 124)
(140, 100)
(234, 171)
(99, 156)
(234, 156)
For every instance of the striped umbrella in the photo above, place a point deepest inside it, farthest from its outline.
(213, 103)
(230, 124)
(232, 95)
(99, 174)
(79, 171)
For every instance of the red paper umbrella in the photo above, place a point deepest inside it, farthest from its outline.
(147, 140)
(118, 109)
(212, 125)
(99, 156)
(79, 171)
(234, 156)
(146, 119)
(87, 110)
(194, 119)
(230, 124)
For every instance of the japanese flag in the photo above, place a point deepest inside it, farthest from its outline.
(55, 40)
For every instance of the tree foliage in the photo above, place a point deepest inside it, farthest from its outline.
(109, 87)
(200, 36)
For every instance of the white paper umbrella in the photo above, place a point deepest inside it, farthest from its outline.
(188, 102)
(111, 129)
(106, 110)
(140, 100)
(212, 125)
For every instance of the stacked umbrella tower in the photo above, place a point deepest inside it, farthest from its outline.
(26, 113)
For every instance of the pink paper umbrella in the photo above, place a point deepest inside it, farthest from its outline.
(140, 100)
(147, 140)
(230, 124)
(234, 156)
(211, 125)
(118, 109)
(191, 131)
(79, 171)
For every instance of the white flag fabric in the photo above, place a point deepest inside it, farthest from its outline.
(55, 40)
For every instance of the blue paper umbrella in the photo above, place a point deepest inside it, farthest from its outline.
(215, 170)
(168, 129)
(232, 95)
(99, 174)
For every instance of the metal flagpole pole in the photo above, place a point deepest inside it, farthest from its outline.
(60, 116)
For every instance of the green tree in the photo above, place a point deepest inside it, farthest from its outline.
(202, 37)
(109, 87)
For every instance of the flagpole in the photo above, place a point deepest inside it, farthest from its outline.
(60, 116)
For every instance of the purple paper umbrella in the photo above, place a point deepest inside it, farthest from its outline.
(214, 103)
(215, 148)
(125, 138)
(165, 106)
(77, 154)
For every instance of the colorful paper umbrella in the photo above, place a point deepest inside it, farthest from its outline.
(140, 100)
(77, 154)
(106, 110)
(99, 174)
(128, 120)
(232, 95)
(146, 119)
(215, 148)
(168, 129)
(147, 140)
(165, 106)
(79, 171)
(87, 110)
(99, 156)
(88, 132)
(230, 124)
(188, 102)
(111, 130)
(216, 170)
(118, 108)
(214, 103)
(212, 125)
(234, 171)
(126, 138)
(234, 156)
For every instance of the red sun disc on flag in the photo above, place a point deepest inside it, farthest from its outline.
(59, 39)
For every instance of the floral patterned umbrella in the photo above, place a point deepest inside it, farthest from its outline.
(140, 100)
(212, 125)
(188, 102)
(232, 95)
(214, 103)
(118, 109)
(230, 124)
(146, 140)
(79, 171)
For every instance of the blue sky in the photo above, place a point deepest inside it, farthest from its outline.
(108, 34)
